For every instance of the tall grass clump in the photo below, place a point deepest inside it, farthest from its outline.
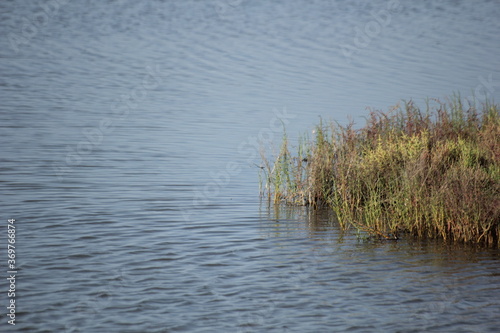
(431, 174)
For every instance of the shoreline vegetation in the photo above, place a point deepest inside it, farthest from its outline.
(431, 174)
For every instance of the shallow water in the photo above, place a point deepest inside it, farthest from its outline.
(128, 143)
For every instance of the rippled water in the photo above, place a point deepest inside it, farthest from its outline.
(128, 141)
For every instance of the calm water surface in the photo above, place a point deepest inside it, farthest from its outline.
(128, 141)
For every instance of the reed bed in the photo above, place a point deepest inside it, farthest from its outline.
(431, 174)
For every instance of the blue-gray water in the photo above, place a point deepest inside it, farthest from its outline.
(127, 148)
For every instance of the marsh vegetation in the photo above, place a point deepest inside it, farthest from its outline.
(432, 173)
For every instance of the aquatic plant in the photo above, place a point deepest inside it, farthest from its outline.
(431, 174)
